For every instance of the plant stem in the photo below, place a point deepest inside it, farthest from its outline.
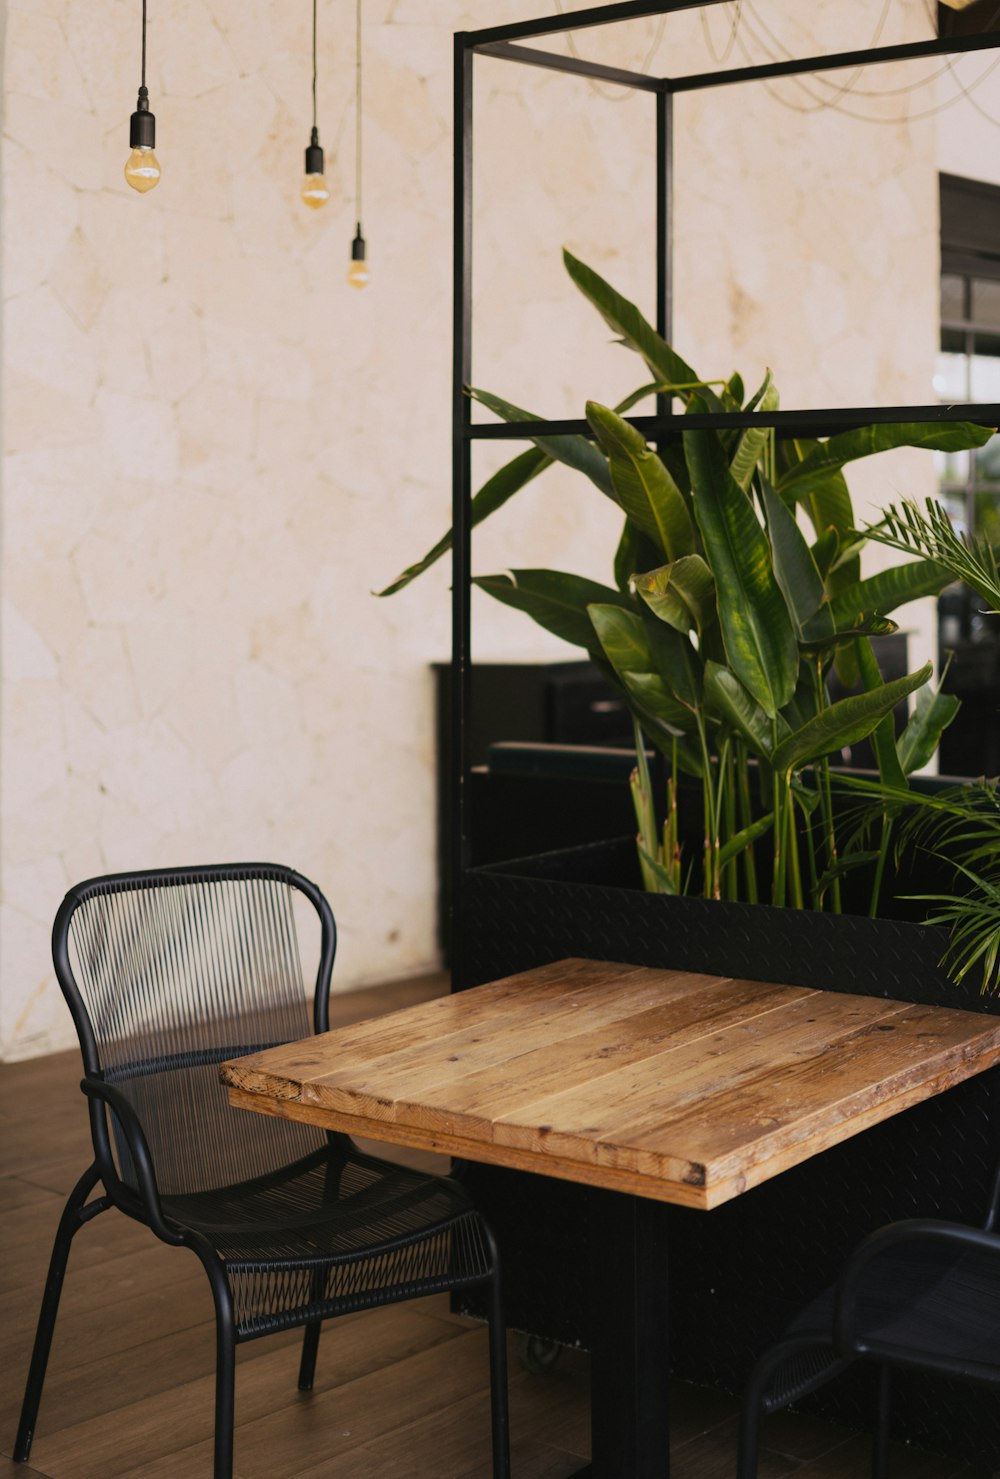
(711, 888)
(817, 902)
(673, 859)
(645, 816)
(883, 853)
(746, 817)
(777, 876)
(728, 782)
(826, 799)
(793, 855)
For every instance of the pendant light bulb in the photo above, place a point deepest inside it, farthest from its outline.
(142, 168)
(358, 273)
(314, 191)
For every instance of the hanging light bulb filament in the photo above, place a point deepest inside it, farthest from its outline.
(142, 168)
(358, 273)
(314, 191)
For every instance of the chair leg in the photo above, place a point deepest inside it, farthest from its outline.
(69, 1225)
(499, 1413)
(753, 1406)
(749, 1440)
(307, 1366)
(225, 1365)
(880, 1452)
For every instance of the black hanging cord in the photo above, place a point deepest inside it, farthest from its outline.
(314, 61)
(357, 116)
(143, 43)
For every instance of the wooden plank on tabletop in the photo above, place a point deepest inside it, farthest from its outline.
(280, 1070)
(443, 1142)
(573, 1122)
(432, 1067)
(795, 1110)
(594, 1051)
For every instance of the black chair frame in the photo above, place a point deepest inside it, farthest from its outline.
(819, 1356)
(129, 1183)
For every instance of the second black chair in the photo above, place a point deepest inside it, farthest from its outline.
(167, 975)
(920, 1294)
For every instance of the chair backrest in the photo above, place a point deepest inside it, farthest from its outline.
(168, 974)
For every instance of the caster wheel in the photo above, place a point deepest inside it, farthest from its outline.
(535, 1354)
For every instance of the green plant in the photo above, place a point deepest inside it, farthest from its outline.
(724, 619)
(962, 824)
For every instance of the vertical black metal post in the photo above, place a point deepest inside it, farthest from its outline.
(664, 286)
(664, 224)
(461, 472)
(630, 1368)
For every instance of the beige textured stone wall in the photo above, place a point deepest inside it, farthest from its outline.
(214, 449)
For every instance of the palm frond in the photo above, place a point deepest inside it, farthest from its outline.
(929, 532)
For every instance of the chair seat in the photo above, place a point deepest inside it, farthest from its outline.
(922, 1299)
(336, 1231)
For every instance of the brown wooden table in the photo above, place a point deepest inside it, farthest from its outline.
(651, 1086)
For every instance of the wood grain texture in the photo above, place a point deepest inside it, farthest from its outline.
(676, 1086)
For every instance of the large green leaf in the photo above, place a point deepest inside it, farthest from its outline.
(556, 600)
(933, 711)
(794, 567)
(682, 594)
(819, 635)
(676, 661)
(744, 839)
(864, 441)
(507, 481)
(804, 702)
(622, 635)
(625, 319)
(726, 696)
(825, 550)
(660, 714)
(884, 734)
(634, 552)
(494, 493)
(575, 451)
(888, 589)
(824, 495)
(844, 723)
(756, 627)
(644, 487)
(754, 439)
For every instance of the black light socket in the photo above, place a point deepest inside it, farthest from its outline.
(142, 128)
(358, 247)
(314, 155)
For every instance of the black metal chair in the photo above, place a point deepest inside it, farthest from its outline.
(923, 1294)
(168, 974)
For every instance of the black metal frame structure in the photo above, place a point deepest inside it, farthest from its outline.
(168, 974)
(629, 1324)
(507, 43)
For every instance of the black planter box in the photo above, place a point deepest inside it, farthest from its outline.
(742, 1270)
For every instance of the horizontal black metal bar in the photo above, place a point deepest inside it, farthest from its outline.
(578, 66)
(579, 20)
(787, 423)
(905, 51)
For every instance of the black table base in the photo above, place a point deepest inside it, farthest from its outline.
(630, 1367)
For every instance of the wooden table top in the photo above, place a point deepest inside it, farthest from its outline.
(681, 1087)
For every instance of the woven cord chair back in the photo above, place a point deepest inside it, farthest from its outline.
(167, 975)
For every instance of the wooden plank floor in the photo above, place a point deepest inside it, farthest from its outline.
(400, 1393)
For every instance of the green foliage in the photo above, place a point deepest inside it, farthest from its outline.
(962, 827)
(723, 619)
